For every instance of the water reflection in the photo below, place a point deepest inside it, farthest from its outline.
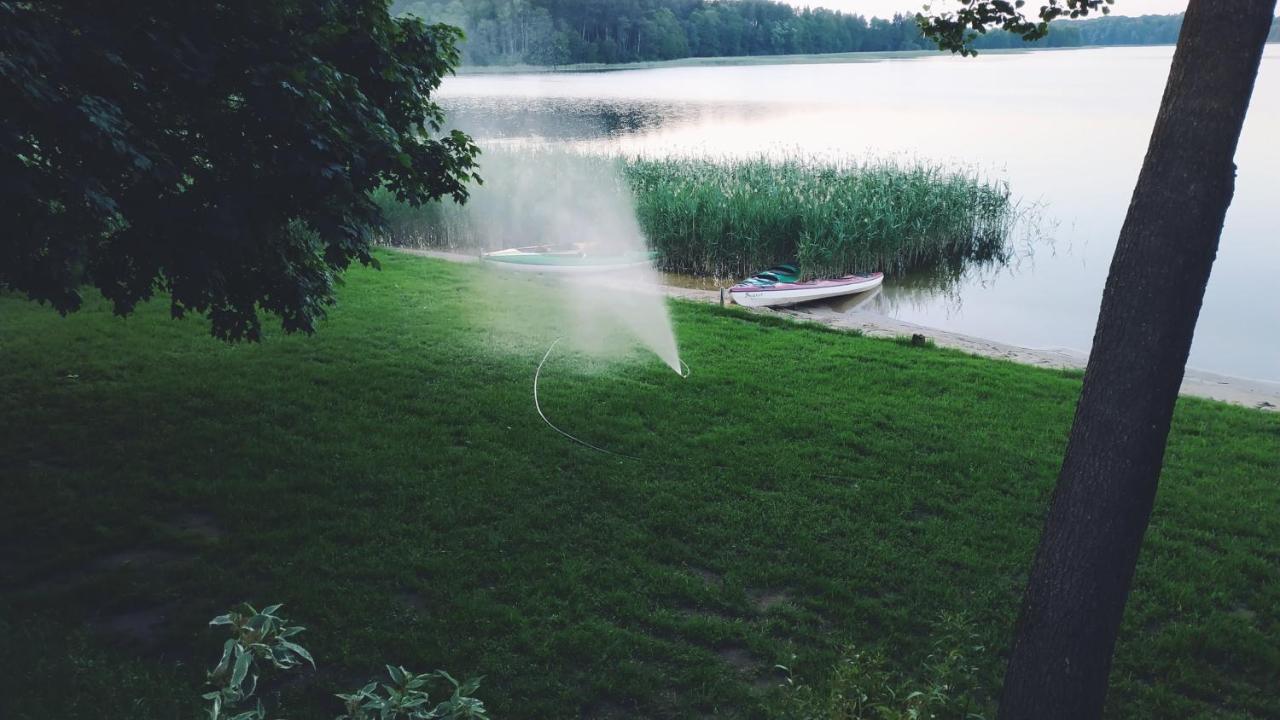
(586, 121)
(1067, 129)
(646, 127)
(851, 303)
(557, 120)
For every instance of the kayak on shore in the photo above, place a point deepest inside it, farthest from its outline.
(567, 258)
(782, 285)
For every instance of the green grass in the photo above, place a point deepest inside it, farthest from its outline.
(730, 217)
(390, 481)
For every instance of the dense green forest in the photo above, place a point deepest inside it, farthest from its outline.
(1110, 30)
(558, 32)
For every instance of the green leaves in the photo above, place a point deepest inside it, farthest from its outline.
(406, 697)
(262, 635)
(228, 654)
(862, 686)
(257, 635)
(957, 31)
(294, 648)
(243, 661)
(222, 153)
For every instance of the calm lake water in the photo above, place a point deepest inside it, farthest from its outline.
(1066, 129)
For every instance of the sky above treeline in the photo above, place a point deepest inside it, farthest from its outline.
(886, 8)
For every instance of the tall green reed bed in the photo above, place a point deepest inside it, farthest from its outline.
(726, 217)
(711, 217)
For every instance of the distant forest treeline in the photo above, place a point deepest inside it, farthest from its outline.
(561, 32)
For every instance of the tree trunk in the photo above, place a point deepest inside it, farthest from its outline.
(1083, 569)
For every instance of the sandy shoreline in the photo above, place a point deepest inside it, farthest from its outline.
(1196, 383)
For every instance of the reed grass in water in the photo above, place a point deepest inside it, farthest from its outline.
(731, 217)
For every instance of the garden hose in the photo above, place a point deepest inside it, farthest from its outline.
(537, 404)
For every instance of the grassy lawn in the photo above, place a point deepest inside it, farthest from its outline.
(390, 481)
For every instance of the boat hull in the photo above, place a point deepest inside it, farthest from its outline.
(521, 260)
(794, 293)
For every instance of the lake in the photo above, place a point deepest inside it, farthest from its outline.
(1066, 129)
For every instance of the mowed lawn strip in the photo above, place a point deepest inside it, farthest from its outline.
(802, 491)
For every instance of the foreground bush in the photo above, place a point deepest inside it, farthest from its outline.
(862, 685)
(261, 639)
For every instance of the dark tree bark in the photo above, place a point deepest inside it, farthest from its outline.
(1084, 567)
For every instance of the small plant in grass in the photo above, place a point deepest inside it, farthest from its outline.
(863, 686)
(256, 636)
(406, 697)
(261, 638)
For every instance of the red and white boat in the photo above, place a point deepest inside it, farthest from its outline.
(781, 285)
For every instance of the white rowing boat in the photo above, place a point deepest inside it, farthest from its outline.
(569, 258)
(782, 286)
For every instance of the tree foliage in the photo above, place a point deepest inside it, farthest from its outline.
(221, 153)
(956, 31)
(1098, 31)
(553, 32)
(557, 32)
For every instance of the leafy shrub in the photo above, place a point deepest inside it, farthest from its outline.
(256, 636)
(406, 697)
(862, 685)
(261, 638)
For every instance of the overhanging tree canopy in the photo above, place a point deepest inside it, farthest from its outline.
(223, 153)
(956, 31)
